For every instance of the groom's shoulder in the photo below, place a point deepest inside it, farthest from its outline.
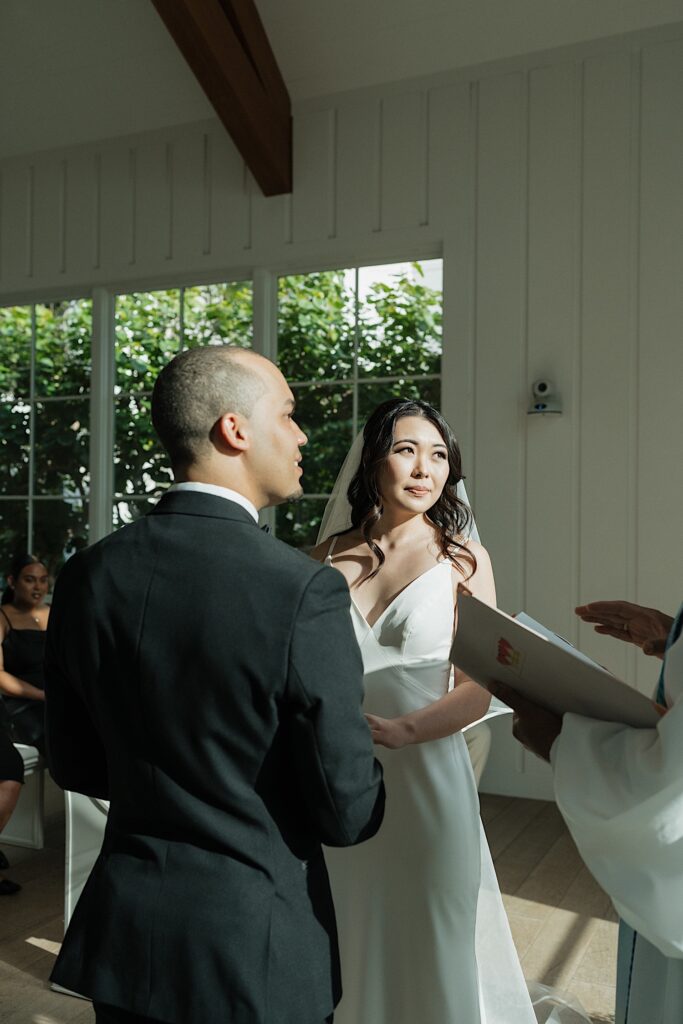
(294, 569)
(288, 559)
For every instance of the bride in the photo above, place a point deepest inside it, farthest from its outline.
(423, 935)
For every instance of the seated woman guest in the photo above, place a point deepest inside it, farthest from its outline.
(23, 622)
(11, 778)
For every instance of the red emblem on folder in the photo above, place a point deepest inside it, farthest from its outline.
(509, 655)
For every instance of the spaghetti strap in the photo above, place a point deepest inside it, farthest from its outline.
(6, 617)
(328, 556)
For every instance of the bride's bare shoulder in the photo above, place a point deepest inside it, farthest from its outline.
(344, 542)
(478, 579)
(477, 549)
(481, 556)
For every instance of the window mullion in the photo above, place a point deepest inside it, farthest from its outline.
(101, 415)
(354, 410)
(32, 431)
(265, 313)
(264, 299)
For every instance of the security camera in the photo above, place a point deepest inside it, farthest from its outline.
(543, 398)
(541, 388)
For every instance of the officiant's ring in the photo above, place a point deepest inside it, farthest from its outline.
(626, 627)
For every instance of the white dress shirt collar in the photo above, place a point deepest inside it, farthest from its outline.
(220, 492)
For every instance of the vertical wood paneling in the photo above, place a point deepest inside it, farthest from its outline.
(96, 232)
(153, 202)
(189, 195)
(453, 202)
(404, 149)
(82, 241)
(134, 202)
(660, 368)
(13, 254)
(449, 165)
(357, 211)
(500, 385)
(116, 210)
(169, 196)
(551, 473)
(45, 229)
(207, 193)
(229, 200)
(607, 339)
(270, 218)
(313, 200)
(63, 215)
(30, 223)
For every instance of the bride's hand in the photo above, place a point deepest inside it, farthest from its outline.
(393, 733)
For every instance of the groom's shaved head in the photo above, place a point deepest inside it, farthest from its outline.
(195, 389)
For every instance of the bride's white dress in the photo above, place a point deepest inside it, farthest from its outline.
(423, 935)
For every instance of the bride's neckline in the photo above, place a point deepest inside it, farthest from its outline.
(397, 596)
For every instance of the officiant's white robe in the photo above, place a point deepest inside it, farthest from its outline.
(620, 791)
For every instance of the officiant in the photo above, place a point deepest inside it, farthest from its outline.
(620, 791)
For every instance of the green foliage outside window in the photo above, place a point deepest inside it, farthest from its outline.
(151, 327)
(56, 413)
(376, 339)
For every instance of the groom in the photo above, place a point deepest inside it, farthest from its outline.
(204, 678)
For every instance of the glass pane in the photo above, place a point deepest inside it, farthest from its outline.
(15, 355)
(13, 534)
(147, 336)
(60, 528)
(140, 463)
(218, 314)
(125, 512)
(297, 522)
(15, 437)
(372, 395)
(316, 325)
(324, 412)
(399, 319)
(63, 332)
(62, 448)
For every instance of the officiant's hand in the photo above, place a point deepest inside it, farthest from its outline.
(393, 733)
(534, 727)
(645, 627)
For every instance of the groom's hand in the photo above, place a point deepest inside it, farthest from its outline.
(534, 727)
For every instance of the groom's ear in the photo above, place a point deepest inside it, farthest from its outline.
(231, 433)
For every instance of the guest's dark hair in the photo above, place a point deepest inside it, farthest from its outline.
(449, 514)
(19, 562)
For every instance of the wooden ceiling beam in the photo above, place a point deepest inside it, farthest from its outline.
(226, 46)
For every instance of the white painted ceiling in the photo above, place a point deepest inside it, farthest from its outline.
(73, 71)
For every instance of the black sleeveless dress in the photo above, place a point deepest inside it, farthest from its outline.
(11, 764)
(23, 652)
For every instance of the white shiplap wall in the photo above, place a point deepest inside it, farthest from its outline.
(553, 186)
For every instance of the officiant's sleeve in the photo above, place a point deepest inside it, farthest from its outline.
(331, 743)
(75, 753)
(620, 791)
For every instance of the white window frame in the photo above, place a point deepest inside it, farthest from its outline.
(30, 496)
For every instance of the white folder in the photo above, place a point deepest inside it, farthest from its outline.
(490, 645)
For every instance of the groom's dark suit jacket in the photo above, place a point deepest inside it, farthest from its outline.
(206, 679)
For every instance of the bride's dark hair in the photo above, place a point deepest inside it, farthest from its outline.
(449, 514)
